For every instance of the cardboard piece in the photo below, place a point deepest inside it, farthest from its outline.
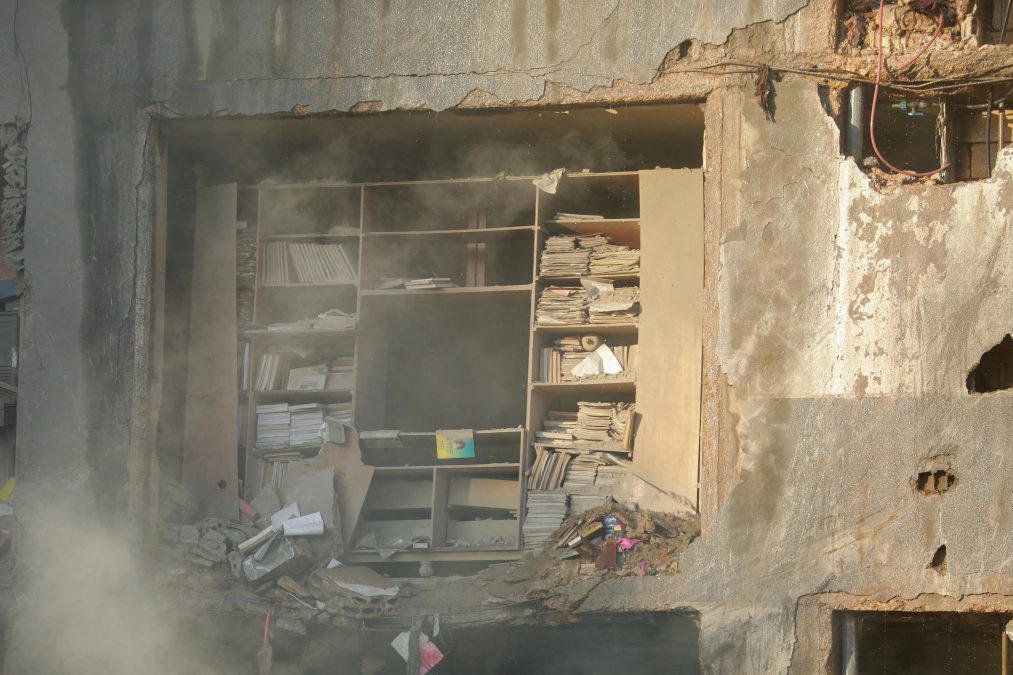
(351, 479)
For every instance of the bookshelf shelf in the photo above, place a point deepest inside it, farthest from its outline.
(310, 333)
(302, 393)
(622, 276)
(447, 467)
(583, 388)
(308, 235)
(517, 289)
(309, 286)
(589, 328)
(474, 235)
(437, 555)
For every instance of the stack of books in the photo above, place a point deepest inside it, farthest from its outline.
(290, 263)
(340, 413)
(341, 374)
(621, 305)
(596, 426)
(557, 430)
(282, 426)
(609, 476)
(581, 472)
(273, 422)
(594, 420)
(545, 514)
(561, 306)
(306, 428)
(611, 259)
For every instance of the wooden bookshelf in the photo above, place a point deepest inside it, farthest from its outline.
(464, 357)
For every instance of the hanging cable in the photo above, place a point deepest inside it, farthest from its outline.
(875, 94)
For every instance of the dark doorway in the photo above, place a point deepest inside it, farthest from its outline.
(929, 643)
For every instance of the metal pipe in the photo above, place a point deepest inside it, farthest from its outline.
(856, 122)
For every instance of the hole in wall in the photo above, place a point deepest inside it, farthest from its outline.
(995, 370)
(222, 484)
(935, 482)
(938, 562)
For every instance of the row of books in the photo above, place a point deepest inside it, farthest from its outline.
(598, 426)
(274, 374)
(284, 426)
(548, 469)
(568, 360)
(290, 263)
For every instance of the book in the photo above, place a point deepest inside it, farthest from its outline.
(455, 444)
(307, 378)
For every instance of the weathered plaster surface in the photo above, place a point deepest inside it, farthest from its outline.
(267, 55)
(842, 291)
(830, 293)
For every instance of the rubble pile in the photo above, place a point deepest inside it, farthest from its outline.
(622, 539)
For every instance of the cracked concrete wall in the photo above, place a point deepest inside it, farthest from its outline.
(268, 55)
(848, 322)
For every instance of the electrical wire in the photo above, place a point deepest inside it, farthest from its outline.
(875, 94)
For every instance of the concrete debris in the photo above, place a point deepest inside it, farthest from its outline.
(357, 592)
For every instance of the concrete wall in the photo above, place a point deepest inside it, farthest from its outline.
(842, 321)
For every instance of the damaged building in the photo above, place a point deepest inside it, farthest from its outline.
(540, 336)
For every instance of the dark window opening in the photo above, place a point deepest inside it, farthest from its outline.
(644, 644)
(927, 643)
(992, 14)
(925, 134)
(935, 482)
(995, 370)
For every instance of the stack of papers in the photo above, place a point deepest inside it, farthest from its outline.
(581, 472)
(611, 259)
(562, 257)
(594, 420)
(621, 305)
(561, 306)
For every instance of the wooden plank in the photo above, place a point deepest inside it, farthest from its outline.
(210, 457)
(671, 329)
